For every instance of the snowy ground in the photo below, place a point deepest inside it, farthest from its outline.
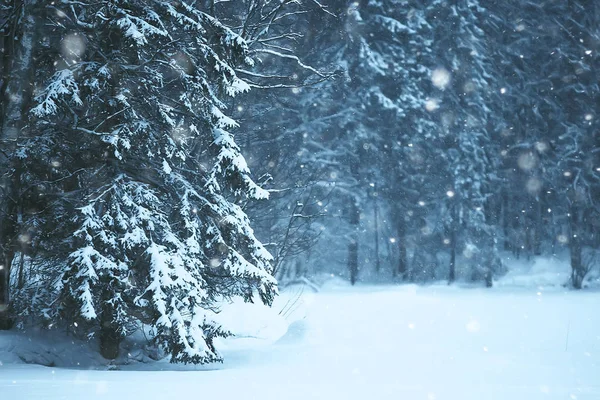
(379, 342)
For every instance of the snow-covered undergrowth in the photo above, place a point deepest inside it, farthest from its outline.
(367, 342)
(253, 325)
(542, 271)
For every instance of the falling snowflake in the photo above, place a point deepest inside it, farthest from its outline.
(527, 161)
(440, 77)
(431, 105)
(73, 45)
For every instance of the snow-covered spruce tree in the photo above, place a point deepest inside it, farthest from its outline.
(143, 225)
(338, 142)
(579, 142)
(462, 80)
(566, 139)
(346, 130)
(523, 40)
(385, 123)
(402, 109)
(548, 53)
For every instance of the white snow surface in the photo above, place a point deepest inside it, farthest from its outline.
(367, 342)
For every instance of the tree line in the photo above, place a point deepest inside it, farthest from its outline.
(454, 132)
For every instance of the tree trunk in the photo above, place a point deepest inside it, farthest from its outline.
(110, 339)
(488, 273)
(5, 321)
(488, 278)
(109, 347)
(452, 267)
(353, 244)
(537, 233)
(505, 220)
(528, 242)
(18, 61)
(109, 342)
(21, 277)
(402, 259)
(353, 260)
(577, 268)
(376, 216)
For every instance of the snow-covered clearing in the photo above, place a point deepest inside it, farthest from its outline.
(373, 342)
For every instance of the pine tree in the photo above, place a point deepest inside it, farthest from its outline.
(142, 222)
(463, 79)
(548, 85)
(403, 111)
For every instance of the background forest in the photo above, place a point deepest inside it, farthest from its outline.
(453, 131)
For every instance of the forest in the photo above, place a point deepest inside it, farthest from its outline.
(158, 157)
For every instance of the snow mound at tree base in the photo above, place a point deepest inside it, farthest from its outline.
(49, 349)
(296, 333)
(254, 326)
(539, 271)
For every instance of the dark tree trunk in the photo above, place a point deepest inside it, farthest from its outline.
(402, 254)
(353, 261)
(109, 337)
(5, 321)
(16, 93)
(488, 274)
(109, 342)
(353, 244)
(528, 242)
(488, 279)
(505, 220)
(537, 233)
(452, 267)
(578, 271)
(376, 216)
(21, 277)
